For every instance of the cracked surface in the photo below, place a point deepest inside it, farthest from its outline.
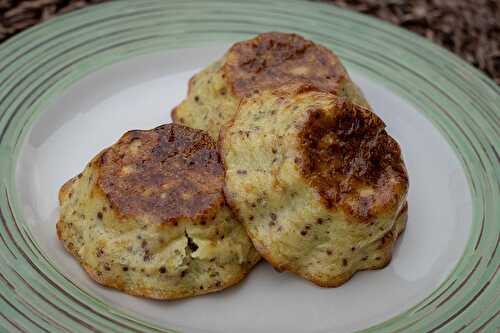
(165, 252)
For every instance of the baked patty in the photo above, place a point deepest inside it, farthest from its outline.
(317, 182)
(268, 61)
(148, 216)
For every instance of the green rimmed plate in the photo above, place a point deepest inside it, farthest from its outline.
(71, 86)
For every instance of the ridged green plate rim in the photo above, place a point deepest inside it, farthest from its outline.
(41, 63)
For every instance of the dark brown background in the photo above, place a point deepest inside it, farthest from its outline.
(469, 28)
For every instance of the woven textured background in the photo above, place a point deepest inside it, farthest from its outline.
(469, 28)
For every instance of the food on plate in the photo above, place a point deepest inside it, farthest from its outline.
(317, 182)
(268, 61)
(302, 162)
(148, 216)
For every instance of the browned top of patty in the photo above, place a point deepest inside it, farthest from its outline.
(273, 59)
(166, 173)
(352, 161)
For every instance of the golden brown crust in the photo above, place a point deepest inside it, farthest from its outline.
(352, 161)
(175, 117)
(129, 251)
(167, 173)
(275, 59)
(65, 189)
(304, 145)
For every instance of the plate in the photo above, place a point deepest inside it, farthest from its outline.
(70, 87)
